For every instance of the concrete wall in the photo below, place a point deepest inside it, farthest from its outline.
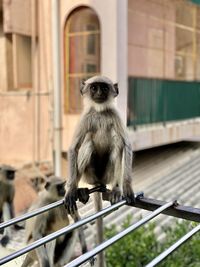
(151, 42)
(25, 118)
(157, 134)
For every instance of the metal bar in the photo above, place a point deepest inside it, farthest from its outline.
(57, 123)
(171, 249)
(60, 232)
(111, 241)
(31, 214)
(179, 211)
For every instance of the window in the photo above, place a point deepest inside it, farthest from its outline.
(82, 54)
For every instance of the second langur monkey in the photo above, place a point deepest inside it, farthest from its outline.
(100, 152)
(57, 252)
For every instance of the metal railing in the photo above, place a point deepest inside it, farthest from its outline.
(171, 249)
(109, 242)
(156, 206)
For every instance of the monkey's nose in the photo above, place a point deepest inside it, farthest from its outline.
(99, 92)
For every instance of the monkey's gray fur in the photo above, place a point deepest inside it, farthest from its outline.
(101, 152)
(7, 192)
(57, 252)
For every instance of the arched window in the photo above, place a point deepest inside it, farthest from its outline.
(82, 54)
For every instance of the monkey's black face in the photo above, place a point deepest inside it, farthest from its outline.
(99, 92)
(61, 189)
(10, 175)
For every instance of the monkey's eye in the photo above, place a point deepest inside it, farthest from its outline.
(105, 89)
(93, 89)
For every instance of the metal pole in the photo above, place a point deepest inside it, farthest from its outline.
(55, 6)
(167, 252)
(109, 242)
(31, 214)
(60, 232)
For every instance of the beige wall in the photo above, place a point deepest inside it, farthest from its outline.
(3, 74)
(151, 42)
(30, 116)
(25, 114)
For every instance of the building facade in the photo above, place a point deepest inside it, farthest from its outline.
(151, 48)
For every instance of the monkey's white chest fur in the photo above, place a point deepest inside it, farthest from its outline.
(100, 148)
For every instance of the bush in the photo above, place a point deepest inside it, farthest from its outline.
(140, 247)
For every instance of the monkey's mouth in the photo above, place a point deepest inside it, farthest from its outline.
(100, 100)
(61, 192)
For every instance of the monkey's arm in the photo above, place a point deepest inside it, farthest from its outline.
(75, 165)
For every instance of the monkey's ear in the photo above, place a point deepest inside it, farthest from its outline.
(47, 185)
(82, 86)
(116, 92)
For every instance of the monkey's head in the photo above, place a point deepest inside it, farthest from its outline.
(99, 89)
(7, 173)
(55, 186)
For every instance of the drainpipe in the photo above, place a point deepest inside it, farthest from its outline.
(57, 114)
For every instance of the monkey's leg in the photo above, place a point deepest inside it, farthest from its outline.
(67, 250)
(7, 215)
(43, 256)
(99, 228)
(127, 174)
(50, 248)
(81, 234)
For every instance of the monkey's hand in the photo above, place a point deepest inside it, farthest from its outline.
(128, 193)
(115, 195)
(71, 197)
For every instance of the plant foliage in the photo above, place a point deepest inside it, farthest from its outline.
(140, 247)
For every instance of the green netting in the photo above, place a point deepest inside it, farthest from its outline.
(153, 100)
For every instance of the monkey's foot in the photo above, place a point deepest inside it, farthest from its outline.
(128, 194)
(115, 195)
(4, 241)
(70, 201)
(83, 195)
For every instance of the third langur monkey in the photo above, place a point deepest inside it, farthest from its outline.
(100, 152)
(57, 252)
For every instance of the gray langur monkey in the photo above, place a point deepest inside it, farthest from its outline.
(101, 152)
(7, 192)
(58, 252)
